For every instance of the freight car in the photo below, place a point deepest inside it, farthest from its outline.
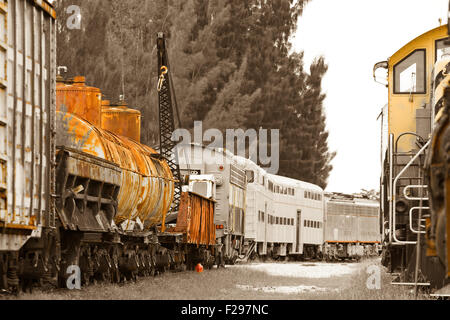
(414, 244)
(27, 133)
(106, 182)
(230, 192)
(77, 188)
(352, 228)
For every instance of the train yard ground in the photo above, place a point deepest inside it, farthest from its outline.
(252, 281)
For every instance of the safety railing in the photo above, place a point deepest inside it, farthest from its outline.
(393, 239)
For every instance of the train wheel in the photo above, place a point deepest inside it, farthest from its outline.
(320, 256)
(115, 276)
(13, 282)
(106, 277)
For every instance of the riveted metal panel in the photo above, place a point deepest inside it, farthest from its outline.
(27, 106)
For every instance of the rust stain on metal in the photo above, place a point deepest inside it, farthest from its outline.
(76, 98)
(122, 120)
(47, 7)
(196, 219)
(147, 186)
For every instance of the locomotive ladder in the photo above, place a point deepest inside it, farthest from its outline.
(394, 182)
(392, 198)
(166, 119)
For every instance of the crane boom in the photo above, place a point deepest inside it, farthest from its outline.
(166, 118)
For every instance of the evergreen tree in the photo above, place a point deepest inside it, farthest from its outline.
(230, 63)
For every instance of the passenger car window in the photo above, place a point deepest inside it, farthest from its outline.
(409, 74)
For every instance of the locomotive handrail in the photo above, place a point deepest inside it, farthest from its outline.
(393, 203)
(405, 134)
(413, 198)
(391, 193)
(411, 219)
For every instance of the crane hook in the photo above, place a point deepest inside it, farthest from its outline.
(164, 71)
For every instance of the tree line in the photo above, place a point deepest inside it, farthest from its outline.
(232, 66)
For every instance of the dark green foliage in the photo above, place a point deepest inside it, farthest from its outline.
(231, 65)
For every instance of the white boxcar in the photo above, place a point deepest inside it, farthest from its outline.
(27, 108)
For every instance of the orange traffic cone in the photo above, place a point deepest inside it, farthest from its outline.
(199, 268)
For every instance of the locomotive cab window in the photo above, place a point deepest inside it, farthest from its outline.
(440, 49)
(409, 74)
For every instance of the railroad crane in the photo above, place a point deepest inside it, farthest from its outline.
(166, 99)
(194, 227)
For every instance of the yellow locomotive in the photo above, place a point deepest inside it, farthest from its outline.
(413, 209)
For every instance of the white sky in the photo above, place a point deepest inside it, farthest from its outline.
(353, 35)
